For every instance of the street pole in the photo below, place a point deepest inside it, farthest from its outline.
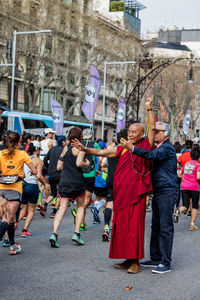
(13, 71)
(15, 33)
(104, 101)
(104, 88)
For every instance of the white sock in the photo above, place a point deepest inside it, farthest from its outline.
(100, 203)
(192, 224)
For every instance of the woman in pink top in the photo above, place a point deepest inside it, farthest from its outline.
(190, 174)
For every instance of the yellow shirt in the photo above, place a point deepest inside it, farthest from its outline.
(13, 166)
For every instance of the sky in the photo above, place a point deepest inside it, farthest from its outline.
(162, 13)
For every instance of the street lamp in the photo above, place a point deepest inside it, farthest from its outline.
(15, 33)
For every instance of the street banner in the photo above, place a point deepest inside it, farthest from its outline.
(15, 123)
(186, 123)
(92, 94)
(121, 115)
(57, 113)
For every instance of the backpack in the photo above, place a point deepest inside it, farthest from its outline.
(91, 167)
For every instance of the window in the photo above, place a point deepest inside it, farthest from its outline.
(70, 79)
(83, 82)
(72, 54)
(84, 56)
(48, 71)
(69, 104)
(49, 94)
(106, 109)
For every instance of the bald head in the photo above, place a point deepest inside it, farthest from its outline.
(135, 133)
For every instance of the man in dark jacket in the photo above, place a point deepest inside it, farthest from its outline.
(165, 192)
(50, 162)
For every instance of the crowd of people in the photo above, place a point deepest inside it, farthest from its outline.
(37, 172)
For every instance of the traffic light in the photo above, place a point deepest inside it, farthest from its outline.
(9, 50)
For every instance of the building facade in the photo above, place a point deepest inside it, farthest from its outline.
(57, 66)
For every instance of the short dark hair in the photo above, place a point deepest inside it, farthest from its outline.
(195, 154)
(188, 144)
(75, 133)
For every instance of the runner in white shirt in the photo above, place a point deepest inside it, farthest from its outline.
(48, 132)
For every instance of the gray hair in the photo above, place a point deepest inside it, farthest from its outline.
(166, 127)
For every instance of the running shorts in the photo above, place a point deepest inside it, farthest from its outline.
(30, 193)
(187, 195)
(89, 184)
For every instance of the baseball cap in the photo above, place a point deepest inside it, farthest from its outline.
(102, 145)
(196, 140)
(36, 144)
(87, 133)
(49, 130)
(61, 139)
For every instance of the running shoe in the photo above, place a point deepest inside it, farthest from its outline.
(38, 207)
(25, 233)
(43, 210)
(189, 213)
(52, 215)
(54, 241)
(15, 249)
(95, 213)
(77, 238)
(193, 228)
(74, 212)
(24, 218)
(105, 235)
(6, 243)
(177, 215)
(83, 227)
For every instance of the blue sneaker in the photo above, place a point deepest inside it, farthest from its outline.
(150, 263)
(160, 269)
(95, 213)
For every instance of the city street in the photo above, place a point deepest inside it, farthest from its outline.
(86, 272)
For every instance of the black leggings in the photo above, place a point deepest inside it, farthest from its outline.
(187, 195)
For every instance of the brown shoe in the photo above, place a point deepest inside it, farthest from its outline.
(134, 268)
(125, 265)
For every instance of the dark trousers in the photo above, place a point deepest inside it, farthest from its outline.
(162, 233)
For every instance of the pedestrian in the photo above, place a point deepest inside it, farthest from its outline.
(165, 193)
(50, 162)
(12, 161)
(88, 174)
(71, 186)
(132, 182)
(48, 133)
(30, 187)
(190, 174)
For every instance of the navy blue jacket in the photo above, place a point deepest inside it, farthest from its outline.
(164, 175)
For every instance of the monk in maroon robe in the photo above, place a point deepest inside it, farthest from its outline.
(132, 183)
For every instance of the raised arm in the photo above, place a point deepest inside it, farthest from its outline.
(152, 122)
(110, 153)
(60, 160)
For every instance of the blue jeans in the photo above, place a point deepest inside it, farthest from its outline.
(162, 233)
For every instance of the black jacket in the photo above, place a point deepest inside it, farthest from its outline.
(51, 160)
(164, 175)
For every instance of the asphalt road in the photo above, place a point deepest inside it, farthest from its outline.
(86, 272)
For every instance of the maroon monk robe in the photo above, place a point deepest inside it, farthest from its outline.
(132, 181)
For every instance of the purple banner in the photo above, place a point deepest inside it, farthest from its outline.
(92, 94)
(121, 114)
(57, 113)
